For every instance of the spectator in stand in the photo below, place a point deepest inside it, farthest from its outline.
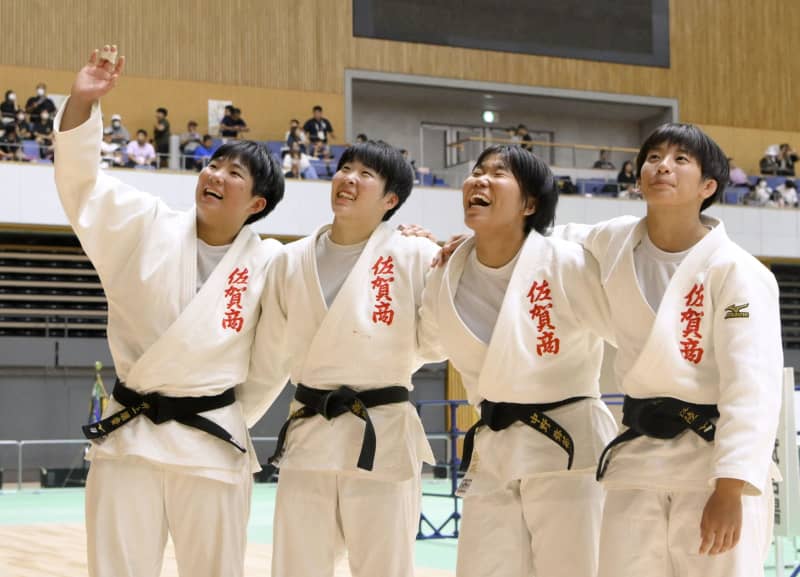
(525, 139)
(319, 130)
(8, 108)
(297, 164)
(119, 134)
(140, 152)
(761, 193)
(204, 152)
(11, 145)
(603, 162)
(232, 124)
(190, 140)
(42, 131)
(511, 135)
(786, 159)
(295, 134)
(788, 193)
(24, 128)
(361, 138)
(769, 162)
(626, 177)
(738, 177)
(161, 135)
(110, 152)
(39, 103)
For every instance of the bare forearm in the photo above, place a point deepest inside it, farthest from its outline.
(77, 112)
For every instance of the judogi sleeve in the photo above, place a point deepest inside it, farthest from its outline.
(108, 216)
(749, 356)
(590, 302)
(428, 323)
(270, 357)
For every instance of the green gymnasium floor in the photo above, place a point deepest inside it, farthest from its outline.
(36, 507)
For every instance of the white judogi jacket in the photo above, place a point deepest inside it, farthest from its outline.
(733, 358)
(165, 336)
(364, 341)
(521, 364)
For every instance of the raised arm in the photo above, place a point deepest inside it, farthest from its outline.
(94, 81)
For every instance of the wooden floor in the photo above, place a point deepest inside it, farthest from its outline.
(53, 550)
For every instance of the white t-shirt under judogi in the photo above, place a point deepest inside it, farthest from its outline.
(654, 269)
(334, 263)
(208, 257)
(480, 294)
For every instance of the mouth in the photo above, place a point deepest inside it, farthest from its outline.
(212, 193)
(343, 194)
(479, 199)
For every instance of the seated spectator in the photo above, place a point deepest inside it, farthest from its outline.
(361, 138)
(738, 177)
(8, 108)
(39, 103)
(204, 152)
(786, 159)
(11, 145)
(42, 131)
(319, 130)
(190, 140)
(752, 197)
(603, 161)
(626, 177)
(110, 151)
(119, 134)
(788, 193)
(297, 164)
(161, 135)
(24, 128)
(761, 193)
(525, 139)
(769, 162)
(140, 152)
(295, 134)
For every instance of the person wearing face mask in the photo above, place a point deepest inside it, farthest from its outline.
(24, 128)
(42, 131)
(119, 134)
(8, 108)
(39, 103)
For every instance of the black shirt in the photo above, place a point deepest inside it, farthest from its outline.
(318, 130)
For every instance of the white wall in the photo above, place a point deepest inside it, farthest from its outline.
(28, 196)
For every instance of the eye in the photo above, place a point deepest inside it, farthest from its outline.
(236, 173)
(653, 157)
(683, 158)
(366, 173)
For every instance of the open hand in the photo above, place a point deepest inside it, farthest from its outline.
(98, 77)
(721, 524)
(416, 230)
(448, 249)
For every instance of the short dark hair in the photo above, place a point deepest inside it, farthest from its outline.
(388, 162)
(207, 137)
(712, 160)
(229, 107)
(535, 180)
(316, 107)
(789, 184)
(192, 123)
(362, 137)
(162, 110)
(141, 131)
(265, 170)
(235, 110)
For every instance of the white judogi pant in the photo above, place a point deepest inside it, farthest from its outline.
(131, 505)
(543, 526)
(320, 514)
(657, 533)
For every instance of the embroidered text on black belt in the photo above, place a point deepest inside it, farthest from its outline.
(160, 409)
(499, 416)
(661, 418)
(331, 404)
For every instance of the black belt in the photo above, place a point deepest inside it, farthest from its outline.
(499, 416)
(160, 409)
(661, 418)
(331, 404)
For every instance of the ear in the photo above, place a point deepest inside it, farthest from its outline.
(709, 188)
(390, 200)
(258, 204)
(530, 207)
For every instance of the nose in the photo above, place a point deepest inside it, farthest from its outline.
(665, 165)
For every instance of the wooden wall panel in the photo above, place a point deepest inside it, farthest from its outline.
(731, 60)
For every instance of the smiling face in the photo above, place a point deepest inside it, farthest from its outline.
(224, 195)
(357, 193)
(492, 197)
(671, 176)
